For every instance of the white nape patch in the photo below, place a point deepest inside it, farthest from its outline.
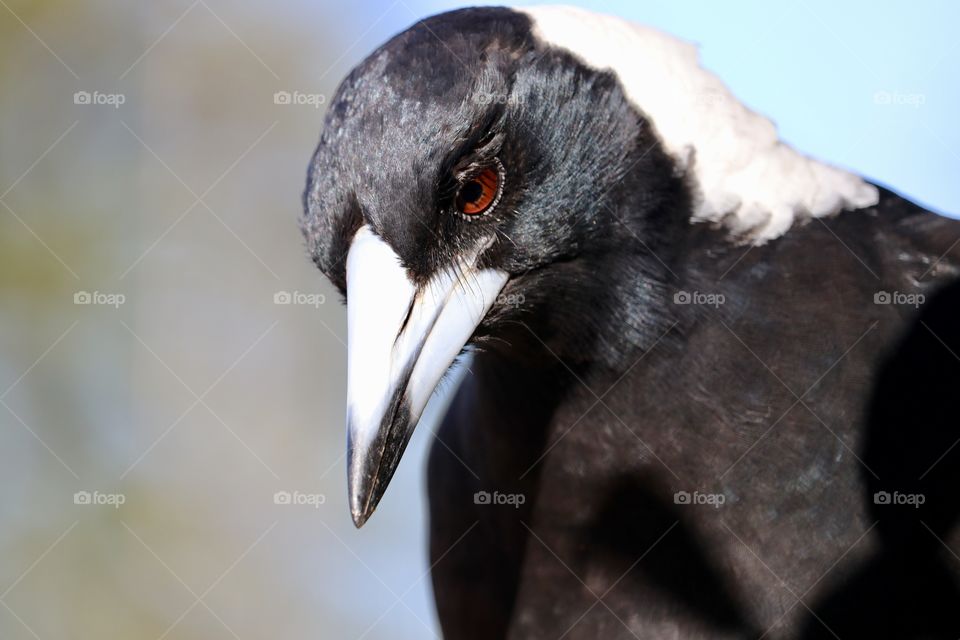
(747, 178)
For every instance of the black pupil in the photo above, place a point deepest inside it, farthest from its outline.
(471, 191)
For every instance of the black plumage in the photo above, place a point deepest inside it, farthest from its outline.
(816, 376)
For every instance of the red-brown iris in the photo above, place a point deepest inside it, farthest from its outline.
(480, 193)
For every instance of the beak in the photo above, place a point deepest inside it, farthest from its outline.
(401, 339)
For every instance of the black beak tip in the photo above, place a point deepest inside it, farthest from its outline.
(371, 467)
(364, 500)
(360, 486)
(360, 517)
(361, 506)
(367, 480)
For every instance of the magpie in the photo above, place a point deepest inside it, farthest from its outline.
(711, 383)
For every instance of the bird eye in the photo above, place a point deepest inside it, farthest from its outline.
(481, 192)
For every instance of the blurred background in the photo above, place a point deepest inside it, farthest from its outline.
(172, 366)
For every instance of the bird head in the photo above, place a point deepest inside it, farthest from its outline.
(468, 178)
